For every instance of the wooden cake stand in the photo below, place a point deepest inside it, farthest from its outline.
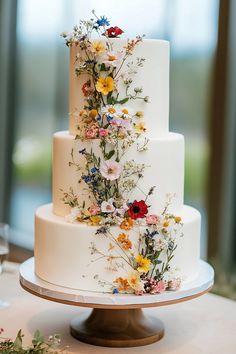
(116, 320)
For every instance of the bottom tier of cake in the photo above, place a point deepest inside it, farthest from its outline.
(73, 255)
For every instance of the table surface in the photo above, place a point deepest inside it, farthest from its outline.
(204, 325)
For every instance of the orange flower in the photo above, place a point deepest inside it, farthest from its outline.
(125, 241)
(95, 220)
(123, 284)
(127, 224)
(122, 237)
(127, 244)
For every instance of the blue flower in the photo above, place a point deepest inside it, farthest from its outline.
(98, 117)
(94, 169)
(86, 178)
(88, 62)
(83, 151)
(103, 21)
(109, 118)
(115, 291)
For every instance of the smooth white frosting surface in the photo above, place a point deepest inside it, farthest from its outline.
(153, 77)
(164, 159)
(63, 250)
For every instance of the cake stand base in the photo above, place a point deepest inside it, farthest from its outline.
(116, 320)
(117, 328)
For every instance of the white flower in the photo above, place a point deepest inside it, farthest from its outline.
(109, 109)
(121, 211)
(107, 207)
(135, 282)
(161, 244)
(113, 59)
(74, 214)
(111, 170)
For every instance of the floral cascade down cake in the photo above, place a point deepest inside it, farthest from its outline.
(118, 222)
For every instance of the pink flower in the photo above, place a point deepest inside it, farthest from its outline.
(174, 284)
(94, 209)
(116, 122)
(91, 133)
(103, 132)
(159, 288)
(107, 207)
(111, 170)
(152, 219)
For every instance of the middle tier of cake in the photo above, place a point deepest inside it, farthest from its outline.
(164, 159)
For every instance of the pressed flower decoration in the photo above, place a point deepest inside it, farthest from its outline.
(108, 176)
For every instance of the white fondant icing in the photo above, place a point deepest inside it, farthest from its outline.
(63, 254)
(153, 77)
(165, 170)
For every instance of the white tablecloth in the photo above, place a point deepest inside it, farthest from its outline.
(206, 325)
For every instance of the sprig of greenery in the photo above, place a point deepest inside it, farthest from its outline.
(39, 345)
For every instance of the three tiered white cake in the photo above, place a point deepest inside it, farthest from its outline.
(118, 222)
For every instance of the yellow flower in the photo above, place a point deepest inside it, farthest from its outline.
(178, 219)
(98, 47)
(140, 127)
(95, 220)
(125, 111)
(105, 85)
(93, 113)
(139, 114)
(135, 282)
(111, 110)
(143, 264)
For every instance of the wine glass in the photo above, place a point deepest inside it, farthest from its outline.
(4, 250)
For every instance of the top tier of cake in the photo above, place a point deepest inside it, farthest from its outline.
(153, 77)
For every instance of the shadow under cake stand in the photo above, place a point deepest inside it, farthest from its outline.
(116, 320)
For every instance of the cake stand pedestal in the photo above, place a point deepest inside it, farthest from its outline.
(116, 320)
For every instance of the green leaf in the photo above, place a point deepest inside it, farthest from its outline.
(38, 338)
(18, 341)
(103, 67)
(123, 101)
(110, 99)
(109, 154)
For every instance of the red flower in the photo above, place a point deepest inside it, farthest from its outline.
(138, 209)
(87, 89)
(113, 32)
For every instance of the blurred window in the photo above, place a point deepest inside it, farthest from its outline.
(42, 88)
